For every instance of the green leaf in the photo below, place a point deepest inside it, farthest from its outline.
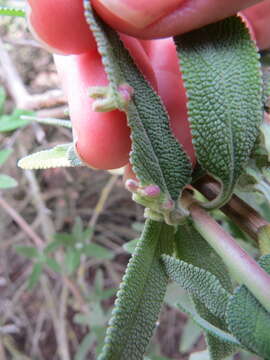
(248, 320)
(264, 239)
(65, 239)
(157, 158)
(59, 156)
(53, 246)
(4, 155)
(53, 264)
(2, 99)
(34, 276)
(198, 282)
(7, 182)
(28, 251)
(140, 296)
(6, 11)
(266, 88)
(210, 329)
(85, 345)
(13, 121)
(221, 72)
(97, 251)
(131, 245)
(189, 336)
(72, 260)
(193, 249)
(265, 137)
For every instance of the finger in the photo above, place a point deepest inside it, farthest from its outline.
(153, 19)
(258, 17)
(61, 25)
(102, 139)
(171, 90)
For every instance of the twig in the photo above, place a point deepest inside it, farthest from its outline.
(236, 209)
(51, 304)
(9, 345)
(63, 340)
(21, 222)
(12, 77)
(19, 92)
(2, 351)
(102, 200)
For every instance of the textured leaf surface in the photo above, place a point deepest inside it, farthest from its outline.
(48, 121)
(193, 249)
(140, 296)
(210, 329)
(157, 157)
(248, 320)
(199, 282)
(266, 88)
(59, 156)
(222, 76)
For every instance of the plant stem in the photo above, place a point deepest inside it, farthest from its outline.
(243, 267)
(236, 209)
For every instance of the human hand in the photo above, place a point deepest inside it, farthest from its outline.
(102, 139)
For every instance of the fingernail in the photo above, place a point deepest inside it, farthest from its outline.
(140, 13)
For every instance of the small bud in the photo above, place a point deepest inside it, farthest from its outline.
(151, 191)
(126, 92)
(168, 204)
(132, 185)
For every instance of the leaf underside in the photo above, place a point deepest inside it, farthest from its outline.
(59, 156)
(193, 249)
(248, 320)
(210, 329)
(157, 157)
(140, 296)
(223, 80)
(198, 282)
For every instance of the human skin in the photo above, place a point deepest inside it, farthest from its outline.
(102, 139)
(158, 18)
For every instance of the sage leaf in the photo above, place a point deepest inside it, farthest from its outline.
(48, 121)
(266, 88)
(248, 320)
(193, 249)
(198, 282)
(221, 335)
(223, 80)
(156, 157)
(59, 156)
(140, 296)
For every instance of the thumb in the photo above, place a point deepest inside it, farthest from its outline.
(148, 19)
(138, 13)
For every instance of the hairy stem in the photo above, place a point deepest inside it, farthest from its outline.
(243, 268)
(236, 209)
